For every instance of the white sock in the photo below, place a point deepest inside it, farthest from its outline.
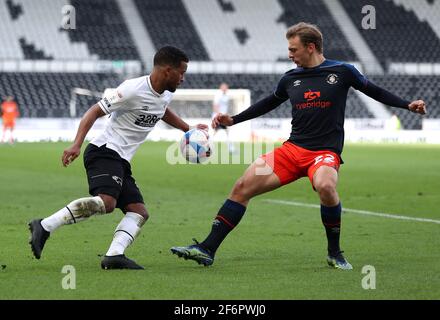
(125, 233)
(76, 211)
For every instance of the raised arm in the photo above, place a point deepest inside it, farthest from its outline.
(86, 123)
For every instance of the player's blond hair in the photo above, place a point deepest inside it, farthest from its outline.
(307, 33)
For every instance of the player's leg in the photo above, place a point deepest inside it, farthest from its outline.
(4, 132)
(230, 143)
(102, 168)
(76, 211)
(132, 204)
(325, 181)
(11, 137)
(257, 179)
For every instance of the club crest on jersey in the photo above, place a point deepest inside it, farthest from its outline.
(296, 83)
(332, 78)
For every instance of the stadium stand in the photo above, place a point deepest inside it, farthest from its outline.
(15, 10)
(31, 29)
(103, 29)
(41, 95)
(399, 35)
(247, 31)
(168, 23)
(31, 53)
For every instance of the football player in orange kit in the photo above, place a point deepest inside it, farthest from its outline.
(9, 111)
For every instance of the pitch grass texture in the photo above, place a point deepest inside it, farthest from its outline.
(277, 251)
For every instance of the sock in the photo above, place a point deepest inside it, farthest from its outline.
(331, 219)
(125, 233)
(76, 211)
(227, 219)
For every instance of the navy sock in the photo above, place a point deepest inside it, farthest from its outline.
(227, 219)
(331, 219)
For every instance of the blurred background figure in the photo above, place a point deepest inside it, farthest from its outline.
(9, 112)
(221, 105)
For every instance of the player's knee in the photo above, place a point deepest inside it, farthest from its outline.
(110, 206)
(326, 188)
(239, 192)
(138, 208)
(144, 214)
(109, 202)
(86, 207)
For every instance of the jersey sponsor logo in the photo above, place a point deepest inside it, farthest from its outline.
(146, 120)
(312, 95)
(312, 102)
(332, 78)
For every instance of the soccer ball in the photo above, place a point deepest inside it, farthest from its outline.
(195, 146)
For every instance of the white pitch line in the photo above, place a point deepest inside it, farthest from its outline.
(368, 213)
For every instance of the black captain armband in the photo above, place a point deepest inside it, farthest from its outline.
(259, 108)
(384, 96)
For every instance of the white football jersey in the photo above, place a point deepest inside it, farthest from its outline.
(135, 109)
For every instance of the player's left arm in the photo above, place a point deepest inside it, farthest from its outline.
(361, 83)
(390, 99)
(177, 122)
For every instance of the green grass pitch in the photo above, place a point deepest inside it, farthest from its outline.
(277, 252)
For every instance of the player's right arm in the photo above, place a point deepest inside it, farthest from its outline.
(86, 123)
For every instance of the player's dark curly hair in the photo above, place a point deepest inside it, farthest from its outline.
(170, 56)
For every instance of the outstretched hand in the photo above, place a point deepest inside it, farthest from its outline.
(417, 106)
(222, 119)
(70, 154)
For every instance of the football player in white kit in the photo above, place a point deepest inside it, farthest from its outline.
(220, 104)
(135, 108)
